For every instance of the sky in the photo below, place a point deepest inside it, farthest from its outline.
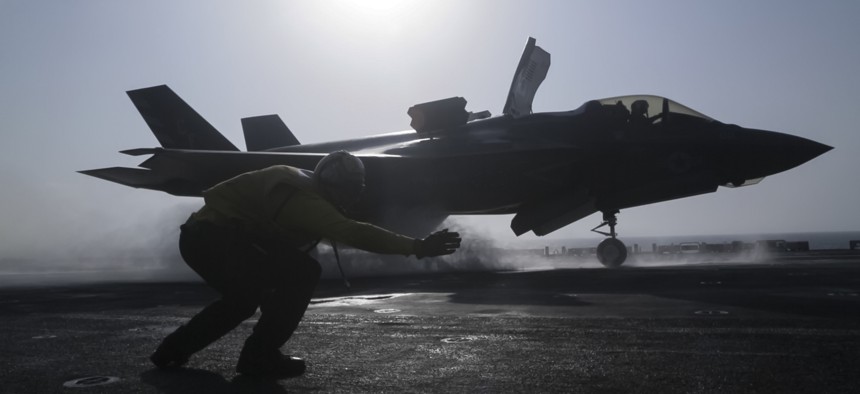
(345, 69)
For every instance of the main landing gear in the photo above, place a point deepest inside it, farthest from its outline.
(611, 251)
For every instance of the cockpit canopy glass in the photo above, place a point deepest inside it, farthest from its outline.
(652, 107)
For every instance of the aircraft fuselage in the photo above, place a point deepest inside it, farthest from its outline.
(498, 165)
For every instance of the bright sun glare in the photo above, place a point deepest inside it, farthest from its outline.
(377, 8)
(377, 19)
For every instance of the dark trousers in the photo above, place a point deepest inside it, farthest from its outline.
(248, 274)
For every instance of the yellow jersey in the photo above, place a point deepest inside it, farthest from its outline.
(281, 203)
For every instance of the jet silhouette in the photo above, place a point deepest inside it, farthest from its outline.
(550, 169)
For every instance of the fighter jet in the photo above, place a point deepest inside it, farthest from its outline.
(549, 169)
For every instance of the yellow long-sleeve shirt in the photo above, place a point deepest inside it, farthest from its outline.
(281, 203)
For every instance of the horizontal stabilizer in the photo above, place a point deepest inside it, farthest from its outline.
(140, 151)
(189, 172)
(146, 179)
(267, 132)
(175, 124)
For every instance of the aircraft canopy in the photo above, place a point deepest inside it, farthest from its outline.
(653, 105)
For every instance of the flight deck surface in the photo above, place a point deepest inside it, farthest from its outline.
(790, 326)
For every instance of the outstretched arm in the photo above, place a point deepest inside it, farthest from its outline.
(309, 213)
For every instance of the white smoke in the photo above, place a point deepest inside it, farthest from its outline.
(56, 233)
(478, 252)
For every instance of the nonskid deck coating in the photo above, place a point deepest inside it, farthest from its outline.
(772, 328)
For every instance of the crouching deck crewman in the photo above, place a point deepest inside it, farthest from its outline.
(250, 242)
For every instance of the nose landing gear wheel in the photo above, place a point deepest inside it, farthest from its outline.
(611, 252)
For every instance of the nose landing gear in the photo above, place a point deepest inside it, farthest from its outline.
(611, 251)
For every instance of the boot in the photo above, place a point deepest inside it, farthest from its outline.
(169, 354)
(268, 363)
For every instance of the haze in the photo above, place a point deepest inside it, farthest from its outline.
(345, 69)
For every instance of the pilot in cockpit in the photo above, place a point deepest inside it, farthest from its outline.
(639, 113)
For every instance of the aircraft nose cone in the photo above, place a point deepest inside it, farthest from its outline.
(813, 149)
(789, 151)
(760, 153)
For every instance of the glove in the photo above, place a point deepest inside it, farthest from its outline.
(437, 244)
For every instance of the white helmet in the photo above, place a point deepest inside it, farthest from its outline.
(340, 178)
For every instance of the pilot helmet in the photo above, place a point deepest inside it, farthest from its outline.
(339, 177)
(639, 108)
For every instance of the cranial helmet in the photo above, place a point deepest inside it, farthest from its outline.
(340, 178)
(639, 108)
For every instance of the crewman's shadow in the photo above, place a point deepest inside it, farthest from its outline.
(189, 380)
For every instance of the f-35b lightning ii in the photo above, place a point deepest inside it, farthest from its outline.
(550, 169)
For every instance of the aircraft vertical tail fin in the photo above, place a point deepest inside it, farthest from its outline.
(175, 124)
(267, 132)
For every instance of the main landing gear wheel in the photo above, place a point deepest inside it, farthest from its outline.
(611, 251)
